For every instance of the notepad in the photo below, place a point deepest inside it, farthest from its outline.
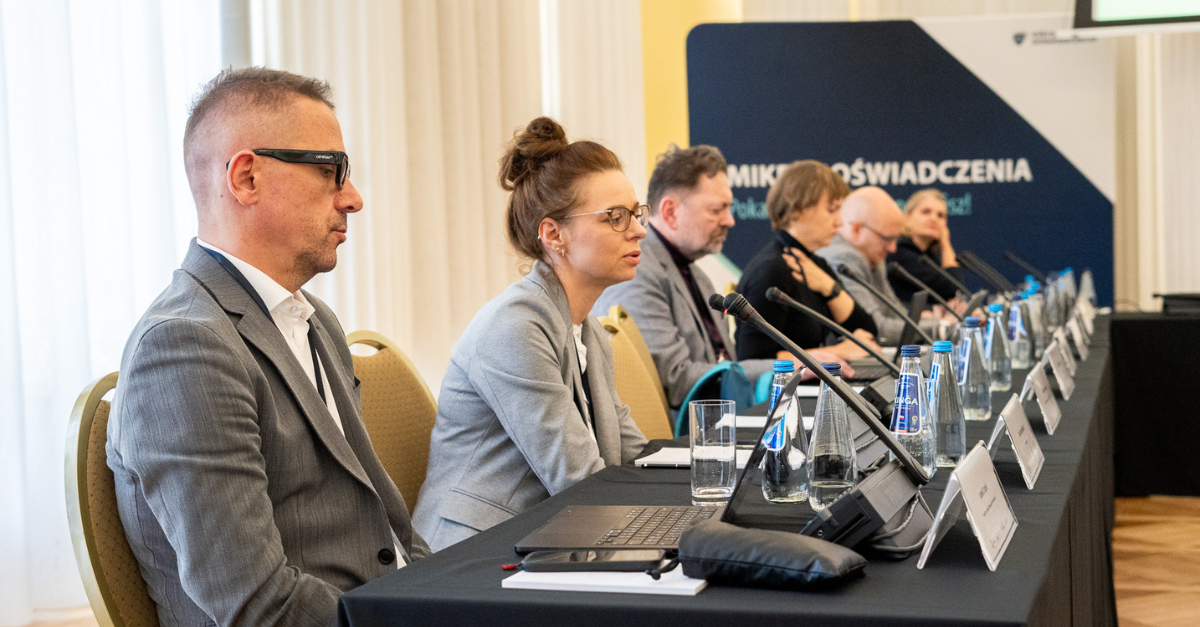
(679, 457)
(673, 582)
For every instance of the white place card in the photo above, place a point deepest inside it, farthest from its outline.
(1029, 453)
(1051, 413)
(1064, 348)
(1088, 315)
(1080, 341)
(1066, 384)
(975, 483)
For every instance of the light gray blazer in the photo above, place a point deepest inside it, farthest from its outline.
(887, 323)
(665, 313)
(243, 502)
(509, 433)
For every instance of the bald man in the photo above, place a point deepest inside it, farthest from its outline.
(871, 224)
(245, 479)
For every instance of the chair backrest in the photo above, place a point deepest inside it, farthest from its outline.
(398, 410)
(109, 570)
(636, 387)
(725, 380)
(618, 314)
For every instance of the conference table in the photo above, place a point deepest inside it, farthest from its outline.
(1056, 571)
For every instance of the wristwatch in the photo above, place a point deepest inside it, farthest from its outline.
(835, 292)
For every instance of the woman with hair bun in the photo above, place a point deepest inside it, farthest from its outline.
(528, 406)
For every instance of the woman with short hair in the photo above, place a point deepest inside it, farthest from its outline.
(804, 207)
(528, 405)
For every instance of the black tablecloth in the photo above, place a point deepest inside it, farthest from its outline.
(1156, 425)
(1057, 570)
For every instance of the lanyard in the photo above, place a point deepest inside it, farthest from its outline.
(241, 279)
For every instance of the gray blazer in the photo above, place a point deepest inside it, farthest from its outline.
(509, 433)
(665, 313)
(889, 325)
(243, 502)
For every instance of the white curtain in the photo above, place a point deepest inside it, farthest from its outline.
(428, 93)
(94, 216)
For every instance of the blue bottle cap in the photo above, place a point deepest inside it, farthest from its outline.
(1029, 278)
(834, 368)
(1035, 286)
(1018, 297)
(1069, 269)
(784, 365)
(942, 347)
(994, 307)
(910, 350)
(972, 322)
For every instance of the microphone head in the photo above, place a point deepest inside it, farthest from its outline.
(717, 302)
(774, 295)
(738, 306)
(893, 268)
(844, 271)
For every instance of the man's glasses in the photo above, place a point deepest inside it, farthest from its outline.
(316, 157)
(886, 240)
(621, 217)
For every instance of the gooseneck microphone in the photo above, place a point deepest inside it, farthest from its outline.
(945, 273)
(736, 305)
(986, 271)
(844, 271)
(895, 269)
(1029, 267)
(775, 295)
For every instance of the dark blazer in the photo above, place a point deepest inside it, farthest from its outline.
(768, 269)
(908, 255)
(242, 501)
(509, 431)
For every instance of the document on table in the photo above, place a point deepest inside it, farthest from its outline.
(679, 457)
(673, 582)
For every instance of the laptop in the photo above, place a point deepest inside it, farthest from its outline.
(588, 527)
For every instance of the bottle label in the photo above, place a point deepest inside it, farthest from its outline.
(774, 439)
(906, 416)
(964, 354)
(935, 370)
(776, 392)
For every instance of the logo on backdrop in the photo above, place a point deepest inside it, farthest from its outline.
(884, 104)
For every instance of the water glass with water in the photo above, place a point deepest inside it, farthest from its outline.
(714, 451)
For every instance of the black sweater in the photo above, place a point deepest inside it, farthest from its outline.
(768, 269)
(908, 256)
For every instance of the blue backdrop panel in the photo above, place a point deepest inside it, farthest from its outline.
(886, 92)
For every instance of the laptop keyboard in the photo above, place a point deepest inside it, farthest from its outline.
(654, 526)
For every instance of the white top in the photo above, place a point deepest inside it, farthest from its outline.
(290, 312)
(577, 330)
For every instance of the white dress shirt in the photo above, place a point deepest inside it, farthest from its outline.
(290, 311)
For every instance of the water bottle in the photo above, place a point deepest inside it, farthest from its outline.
(945, 408)
(1018, 333)
(784, 370)
(974, 380)
(784, 471)
(995, 349)
(832, 461)
(1036, 321)
(1066, 281)
(1054, 303)
(910, 414)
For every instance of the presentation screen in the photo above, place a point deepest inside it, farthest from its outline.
(1093, 13)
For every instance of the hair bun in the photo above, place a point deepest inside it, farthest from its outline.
(542, 140)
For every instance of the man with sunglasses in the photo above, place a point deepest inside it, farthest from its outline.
(871, 224)
(245, 479)
(689, 198)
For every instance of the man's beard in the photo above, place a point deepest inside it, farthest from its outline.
(716, 241)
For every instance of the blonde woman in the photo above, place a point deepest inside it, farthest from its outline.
(926, 233)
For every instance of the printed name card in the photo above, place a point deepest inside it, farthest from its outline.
(1087, 313)
(1066, 384)
(1080, 341)
(1029, 453)
(975, 483)
(1051, 413)
(1060, 336)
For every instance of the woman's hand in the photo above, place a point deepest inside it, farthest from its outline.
(949, 259)
(806, 271)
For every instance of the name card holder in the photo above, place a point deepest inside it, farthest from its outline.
(1081, 342)
(1087, 314)
(1020, 433)
(1064, 348)
(1039, 383)
(974, 483)
(1066, 384)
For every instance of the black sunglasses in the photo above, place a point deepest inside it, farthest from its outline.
(318, 157)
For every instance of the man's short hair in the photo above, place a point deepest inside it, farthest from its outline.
(251, 87)
(801, 186)
(682, 168)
